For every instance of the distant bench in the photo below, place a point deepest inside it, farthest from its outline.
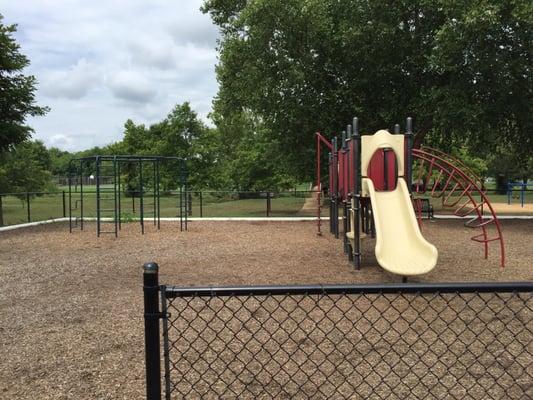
(425, 207)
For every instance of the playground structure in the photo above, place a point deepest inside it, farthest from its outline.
(142, 172)
(512, 186)
(380, 181)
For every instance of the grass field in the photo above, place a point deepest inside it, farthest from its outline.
(15, 210)
(214, 204)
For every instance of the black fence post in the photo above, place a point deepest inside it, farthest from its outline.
(28, 205)
(151, 331)
(64, 205)
(189, 203)
(201, 205)
(268, 203)
(1, 213)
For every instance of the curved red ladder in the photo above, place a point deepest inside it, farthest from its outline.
(456, 188)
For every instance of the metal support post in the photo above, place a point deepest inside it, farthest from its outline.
(409, 155)
(356, 196)
(81, 193)
(98, 196)
(141, 199)
(28, 205)
(64, 204)
(151, 331)
(201, 205)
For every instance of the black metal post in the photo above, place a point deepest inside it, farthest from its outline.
(330, 188)
(409, 157)
(396, 129)
(345, 225)
(335, 188)
(2, 212)
(201, 205)
(181, 207)
(151, 331)
(345, 135)
(268, 203)
(64, 204)
(356, 197)
(28, 205)
(189, 203)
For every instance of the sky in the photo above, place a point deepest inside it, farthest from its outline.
(99, 63)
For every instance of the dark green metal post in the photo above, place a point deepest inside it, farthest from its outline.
(119, 200)
(81, 193)
(70, 197)
(141, 202)
(97, 196)
(158, 196)
(115, 213)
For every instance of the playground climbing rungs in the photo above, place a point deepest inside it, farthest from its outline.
(458, 185)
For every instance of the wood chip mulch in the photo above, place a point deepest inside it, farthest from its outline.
(71, 307)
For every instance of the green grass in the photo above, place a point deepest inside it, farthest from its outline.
(214, 205)
(49, 206)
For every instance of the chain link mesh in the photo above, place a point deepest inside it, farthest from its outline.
(379, 346)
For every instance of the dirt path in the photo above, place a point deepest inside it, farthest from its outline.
(310, 205)
(513, 208)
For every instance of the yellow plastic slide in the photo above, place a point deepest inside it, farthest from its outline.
(400, 247)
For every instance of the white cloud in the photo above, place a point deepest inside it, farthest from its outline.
(72, 83)
(100, 63)
(131, 86)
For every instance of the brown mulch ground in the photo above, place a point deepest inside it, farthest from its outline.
(71, 322)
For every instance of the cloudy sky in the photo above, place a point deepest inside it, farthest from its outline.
(99, 63)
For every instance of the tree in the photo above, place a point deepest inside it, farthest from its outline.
(25, 168)
(247, 157)
(17, 91)
(181, 134)
(59, 161)
(461, 69)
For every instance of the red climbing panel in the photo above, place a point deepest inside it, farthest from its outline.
(383, 180)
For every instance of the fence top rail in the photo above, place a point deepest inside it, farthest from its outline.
(403, 288)
(31, 193)
(128, 158)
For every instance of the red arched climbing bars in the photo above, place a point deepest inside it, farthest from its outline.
(442, 179)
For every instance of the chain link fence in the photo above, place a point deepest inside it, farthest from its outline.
(440, 341)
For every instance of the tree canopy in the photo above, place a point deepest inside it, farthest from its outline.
(461, 69)
(17, 99)
(25, 168)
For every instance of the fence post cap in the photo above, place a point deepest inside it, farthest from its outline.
(150, 267)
